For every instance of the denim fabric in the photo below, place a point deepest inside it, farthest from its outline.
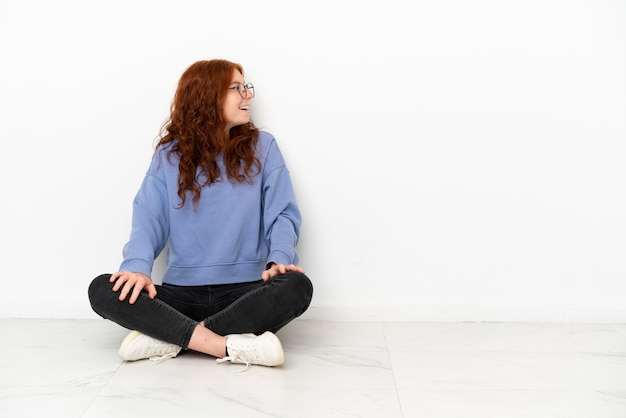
(253, 307)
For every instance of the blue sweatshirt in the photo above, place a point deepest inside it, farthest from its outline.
(235, 230)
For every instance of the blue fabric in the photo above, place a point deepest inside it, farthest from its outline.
(235, 230)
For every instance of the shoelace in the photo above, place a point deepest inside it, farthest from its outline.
(156, 345)
(239, 356)
(158, 359)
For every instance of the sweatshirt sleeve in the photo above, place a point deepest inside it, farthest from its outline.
(150, 220)
(281, 215)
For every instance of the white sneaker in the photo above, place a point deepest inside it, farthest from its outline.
(264, 350)
(138, 346)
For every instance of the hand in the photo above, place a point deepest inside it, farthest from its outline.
(277, 269)
(132, 283)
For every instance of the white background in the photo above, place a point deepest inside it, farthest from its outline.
(454, 160)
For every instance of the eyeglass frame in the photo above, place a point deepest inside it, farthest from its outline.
(246, 87)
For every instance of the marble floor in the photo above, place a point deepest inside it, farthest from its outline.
(70, 368)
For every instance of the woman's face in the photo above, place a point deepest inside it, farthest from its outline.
(236, 109)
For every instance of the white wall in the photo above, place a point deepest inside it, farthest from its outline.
(454, 160)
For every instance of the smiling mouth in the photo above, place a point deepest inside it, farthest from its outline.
(244, 107)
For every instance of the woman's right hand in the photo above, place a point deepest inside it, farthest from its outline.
(133, 284)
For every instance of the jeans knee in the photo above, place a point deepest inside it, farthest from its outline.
(301, 286)
(99, 290)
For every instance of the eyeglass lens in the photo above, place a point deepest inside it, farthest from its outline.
(246, 90)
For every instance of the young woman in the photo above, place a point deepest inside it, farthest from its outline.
(218, 193)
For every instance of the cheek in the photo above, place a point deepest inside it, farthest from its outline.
(231, 114)
(228, 110)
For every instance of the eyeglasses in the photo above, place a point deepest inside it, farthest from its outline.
(243, 90)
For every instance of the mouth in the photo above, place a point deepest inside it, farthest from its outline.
(244, 107)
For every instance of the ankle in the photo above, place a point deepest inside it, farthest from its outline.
(206, 341)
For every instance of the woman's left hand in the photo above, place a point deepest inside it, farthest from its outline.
(277, 269)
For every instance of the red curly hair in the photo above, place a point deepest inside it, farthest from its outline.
(197, 128)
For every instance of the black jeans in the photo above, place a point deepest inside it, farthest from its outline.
(239, 308)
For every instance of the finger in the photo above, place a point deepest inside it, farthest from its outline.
(119, 282)
(268, 274)
(134, 295)
(152, 292)
(125, 290)
(293, 267)
(115, 276)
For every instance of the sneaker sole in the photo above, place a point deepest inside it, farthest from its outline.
(129, 339)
